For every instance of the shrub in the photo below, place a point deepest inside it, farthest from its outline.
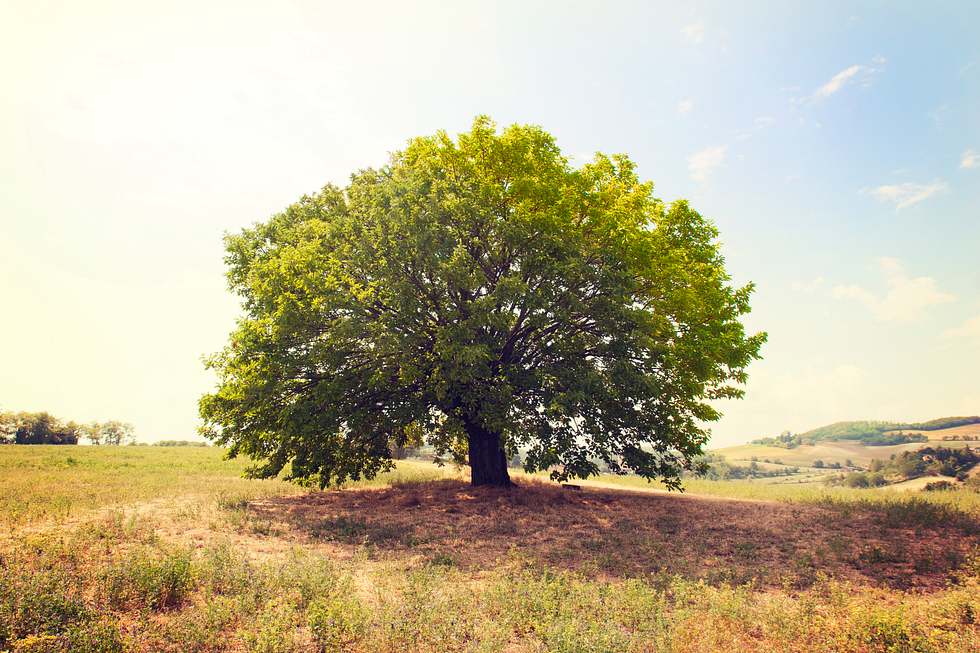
(39, 614)
(274, 630)
(199, 629)
(36, 604)
(39, 644)
(156, 584)
(221, 571)
(337, 623)
(864, 479)
(917, 512)
(887, 631)
(94, 637)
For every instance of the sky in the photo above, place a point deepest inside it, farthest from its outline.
(835, 145)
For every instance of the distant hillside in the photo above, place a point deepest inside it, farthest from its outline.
(855, 430)
(928, 462)
(872, 433)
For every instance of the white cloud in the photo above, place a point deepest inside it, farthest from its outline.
(906, 298)
(764, 121)
(908, 194)
(809, 287)
(685, 106)
(837, 82)
(970, 159)
(969, 330)
(856, 73)
(694, 33)
(701, 164)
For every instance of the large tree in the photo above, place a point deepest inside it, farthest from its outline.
(483, 295)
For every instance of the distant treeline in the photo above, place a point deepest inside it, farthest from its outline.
(868, 432)
(791, 441)
(180, 443)
(44, 428)
(37, 428)
(714, 467)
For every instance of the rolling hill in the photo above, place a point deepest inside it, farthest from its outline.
(852, 444)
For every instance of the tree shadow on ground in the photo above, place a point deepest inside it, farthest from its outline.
(620, 533)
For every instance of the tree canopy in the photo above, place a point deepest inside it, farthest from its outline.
(482, 295)
(112, 432)
(36, 428)
(44, 428)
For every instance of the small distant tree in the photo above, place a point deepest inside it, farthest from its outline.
(110, 433)
(118, 433)
(857, 480)
(8, 428)
(180, 443)
(818, 464)
(93, 433)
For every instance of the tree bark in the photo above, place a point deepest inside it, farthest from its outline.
(488, 461)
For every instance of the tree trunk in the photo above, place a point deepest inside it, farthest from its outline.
(488, 462)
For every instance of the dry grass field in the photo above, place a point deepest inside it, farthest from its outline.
(167, 549)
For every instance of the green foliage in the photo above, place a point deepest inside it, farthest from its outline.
(337, 623)
(717, 468)
(43, 612)
(484, 294)
(849, 430)
(111, 433)
(156, 583)
(887, 630)
(864, 479)
(929, 461)
(37, 605)
(889, 439)
(43, 428)
(868, 438)
(274, 630)
(93, 637)
(870, 433)
(943, 423)
(37, 428)
(180, 443)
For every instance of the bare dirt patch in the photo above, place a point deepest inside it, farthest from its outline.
(617, 533)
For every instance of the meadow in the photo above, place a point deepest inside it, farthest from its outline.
(108, 549)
